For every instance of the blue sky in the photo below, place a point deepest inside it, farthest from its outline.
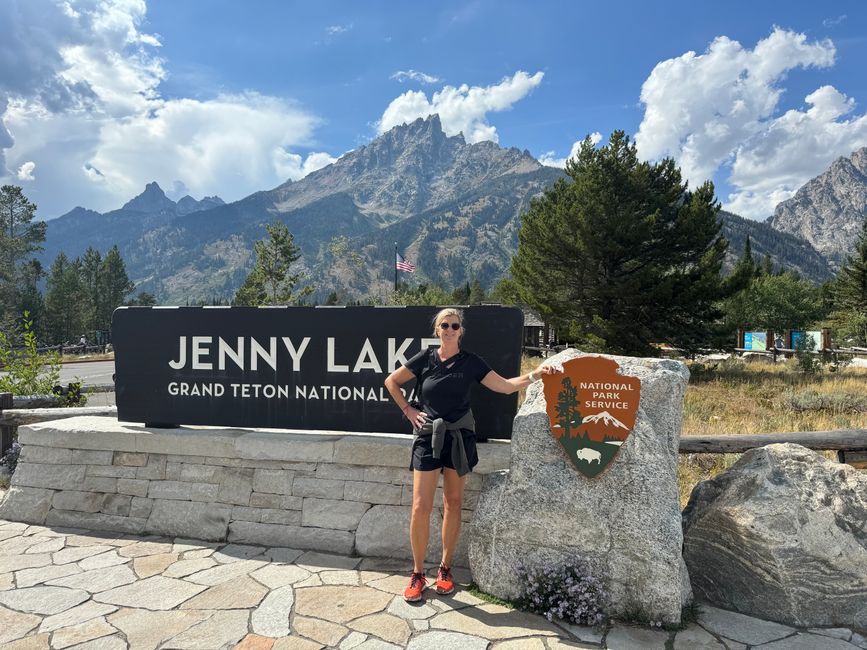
(98, 97)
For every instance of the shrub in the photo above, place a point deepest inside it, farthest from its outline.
(71, 395)
(565, 591)
(27, 371)
(807, 362)
(834, 403)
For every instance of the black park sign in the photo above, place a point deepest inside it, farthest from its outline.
(316, 368)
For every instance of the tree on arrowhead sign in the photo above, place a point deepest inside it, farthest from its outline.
(592, 409)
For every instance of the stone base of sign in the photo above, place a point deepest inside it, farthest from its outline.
(625, 523)
(328, 491)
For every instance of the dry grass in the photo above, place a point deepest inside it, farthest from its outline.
(734, 397)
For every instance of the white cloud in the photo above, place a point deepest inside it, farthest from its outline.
(833, 22)
(462, 109)
(80, 94)
(414, 75)
(792, 149)
(718, 110)
(293, 166)
(550, 159)
(336, 30)
(25, 171)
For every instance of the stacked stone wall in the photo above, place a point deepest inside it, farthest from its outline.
(333, 492)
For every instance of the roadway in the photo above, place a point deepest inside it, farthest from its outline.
(90, 373)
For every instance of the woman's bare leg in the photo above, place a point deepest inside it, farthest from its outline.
(424, 485)
(453, 497)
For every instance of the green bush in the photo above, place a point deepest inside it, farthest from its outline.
(27, 371)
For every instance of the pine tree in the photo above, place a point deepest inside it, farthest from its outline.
(19, 238)
(850, 293)
(622, 254)
(270, 282)
(91, 265)
(64, 300)
(461, 295)
(113, 287)
(477, 293)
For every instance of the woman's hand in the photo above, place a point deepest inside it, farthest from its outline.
(416, 417)
(546, 369)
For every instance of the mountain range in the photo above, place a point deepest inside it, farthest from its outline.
(451, 207)
(829, 209)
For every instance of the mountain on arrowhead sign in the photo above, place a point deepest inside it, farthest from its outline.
(592, 409)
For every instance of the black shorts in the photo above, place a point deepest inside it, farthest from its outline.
(422, 452)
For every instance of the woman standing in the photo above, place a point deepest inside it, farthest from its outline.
(445, 441)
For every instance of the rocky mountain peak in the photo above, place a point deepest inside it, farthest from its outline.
(829, 209)
(153, 199)
(411, 168)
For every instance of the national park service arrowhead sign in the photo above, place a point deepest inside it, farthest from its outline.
(592, 409)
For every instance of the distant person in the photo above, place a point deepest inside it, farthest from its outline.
(445, 440)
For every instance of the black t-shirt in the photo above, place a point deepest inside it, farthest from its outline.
(445, 390)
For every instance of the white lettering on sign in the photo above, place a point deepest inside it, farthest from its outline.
(182, 356)
(333, 367)
(196, 390)
(296, 354)
(198, 351)
(249, 354)
(605, 405)
(258, 352)
(237, 355)
(280, 391)
(602, 385)
(367, 359)
(395, 356)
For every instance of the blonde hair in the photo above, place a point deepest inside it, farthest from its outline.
(448, 311)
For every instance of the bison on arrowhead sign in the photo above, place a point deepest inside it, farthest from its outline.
(592, 409)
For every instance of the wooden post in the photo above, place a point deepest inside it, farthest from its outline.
(6, 432)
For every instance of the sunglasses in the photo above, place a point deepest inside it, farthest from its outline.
(454, 326)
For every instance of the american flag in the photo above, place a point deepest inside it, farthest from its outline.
(403, 264)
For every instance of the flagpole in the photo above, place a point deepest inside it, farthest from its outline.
(394, 262)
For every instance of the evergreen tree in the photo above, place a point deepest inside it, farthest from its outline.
(91, 266)
(423, 294)
(850, 294)
(19, 238)
(142, 299)
(30, 299)
(64, 300)
(621, 253)
(113, 287)
(270, 282)
(477, 293)
(461, 295)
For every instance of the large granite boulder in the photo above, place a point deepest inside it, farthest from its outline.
(625, 522)
(782, 535)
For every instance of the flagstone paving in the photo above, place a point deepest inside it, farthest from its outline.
(82, 590)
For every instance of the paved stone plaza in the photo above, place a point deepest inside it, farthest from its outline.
(65, 588)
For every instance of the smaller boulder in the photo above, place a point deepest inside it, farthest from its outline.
(781, 535)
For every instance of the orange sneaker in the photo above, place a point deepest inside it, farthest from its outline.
(445, 582)
(417, 583)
